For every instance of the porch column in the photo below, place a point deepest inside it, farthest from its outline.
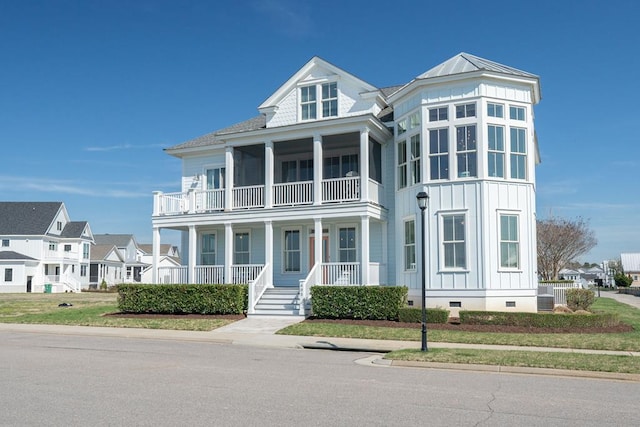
(384, 273)
(193, 240)
(317, 241)
(317, 170)
(156, 254)
(364, 165)
(228, 179)
(268, 174)
(268, 248)
(228, 251)
(364, 243)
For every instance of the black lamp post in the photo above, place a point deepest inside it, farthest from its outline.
(423, 199)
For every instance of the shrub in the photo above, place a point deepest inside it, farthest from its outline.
(414, 315)
(182, 299)
(622, 280)
(103, 285)
(358, 302)
(579, 299)
(562, 309)
(538, 320)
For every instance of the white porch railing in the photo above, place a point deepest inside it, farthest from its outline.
(375, 191)
(293, 193)
(305, 288)
(210, 200)
(560, 290)
(209, 274)
(245, 273)
(173, 275)
(341, 189)
(248, 197)
(258, 286)
(172, 203)
(340, 273)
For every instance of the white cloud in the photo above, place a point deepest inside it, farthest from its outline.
(123, 147)
(19, 184)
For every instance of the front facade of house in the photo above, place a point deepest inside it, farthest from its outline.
(130, 252)
(320, 189)
(40, 246)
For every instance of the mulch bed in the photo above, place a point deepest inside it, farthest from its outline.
(453, 325)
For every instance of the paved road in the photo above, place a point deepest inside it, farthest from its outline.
(50, 379)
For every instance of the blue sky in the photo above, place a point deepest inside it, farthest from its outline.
(92, 91)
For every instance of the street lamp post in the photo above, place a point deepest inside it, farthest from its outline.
(423, 199)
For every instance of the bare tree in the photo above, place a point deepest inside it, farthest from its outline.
(560, 241)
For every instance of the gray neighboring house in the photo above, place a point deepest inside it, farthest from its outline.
(128, 248)
(631, 266)
(41, 249)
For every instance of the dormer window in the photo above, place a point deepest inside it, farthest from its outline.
(59, 225)
(328, 102)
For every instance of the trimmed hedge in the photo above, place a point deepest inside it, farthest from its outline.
(414, 315)
(182, 299)
(358, 302)
(538, 320)
(580, 299)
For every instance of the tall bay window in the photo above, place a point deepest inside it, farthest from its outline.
(496, 151)
(415, 159)
(518, 153)
(410, 245)
(453, 241)
(466, 151)
(402, 164)
(439, 153)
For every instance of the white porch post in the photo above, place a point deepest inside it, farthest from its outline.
(364, 243)
(268, 247)
(317, 169)
(228, 179)
(268, 170)
(364, 165)
(228, 251)
(191, 274)
(385, 255)
(156, 253)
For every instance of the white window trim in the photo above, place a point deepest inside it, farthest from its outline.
(415, 243)
(437, 107)
(504, 110)
(215, 249)
(233, 255)
(427, 149)
(518, 214)
(441, 266)
(284, 251)
(338, 227)
(524, 107)
(318, 84)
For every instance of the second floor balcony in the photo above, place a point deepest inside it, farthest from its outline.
(335, 190)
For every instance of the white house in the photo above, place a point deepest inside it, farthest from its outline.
(131, 254)
(42, 249)
(320, 189)
(631, 267)
(107, 265)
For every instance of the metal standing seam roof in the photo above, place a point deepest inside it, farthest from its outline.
(27, 218)
(630, 262)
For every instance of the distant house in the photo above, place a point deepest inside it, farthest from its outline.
(42, 249)
(584, 276)
(631, 266)
(128, 248)
(169, 258)
(107, 264)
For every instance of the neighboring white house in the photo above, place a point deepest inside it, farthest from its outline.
(128, 248)
(107, 264)
(169, 259)
(320, 189)
(40, 245)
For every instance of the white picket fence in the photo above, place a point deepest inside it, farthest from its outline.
(560, 290)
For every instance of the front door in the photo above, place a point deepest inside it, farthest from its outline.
(29, 283)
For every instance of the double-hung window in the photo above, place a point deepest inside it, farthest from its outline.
(402, 164)
(415, 159)
(439, 153)
(330, 100)
(496, 151)
(241, 248)
(509, 242)
(518, 153)
(85, 251)
(308, 102)
(466, 151)
(453, 241)
(208, 250)
(5, 243)
(410, 245)
(347, 244)
(292, 250)
(8, 274)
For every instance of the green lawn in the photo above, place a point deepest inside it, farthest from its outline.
(629, 341)
(88, 309)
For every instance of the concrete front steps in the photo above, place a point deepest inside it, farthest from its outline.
(279, 301)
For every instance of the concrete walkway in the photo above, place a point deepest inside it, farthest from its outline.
(631, 300)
